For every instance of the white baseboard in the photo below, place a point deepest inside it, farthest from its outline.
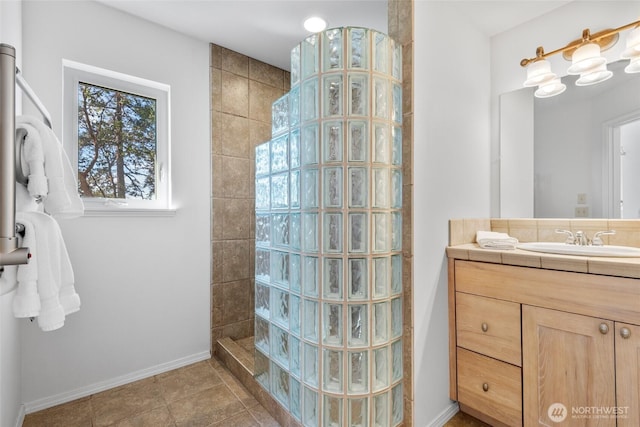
(21, 414)
(57, 399)
(445, 415)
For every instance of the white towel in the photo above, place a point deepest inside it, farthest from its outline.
(33, 158)
(62, 200)
(495, 240)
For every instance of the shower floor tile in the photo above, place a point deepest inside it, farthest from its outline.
(202, 394)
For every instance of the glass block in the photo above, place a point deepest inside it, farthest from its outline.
(280, 307)
(280, 384)
(332, 412)
(294, 148)
(381, 98)
(332, 136)
(280, 115)
(381, 143)
(396, 112)
(332, 95)
(295, 189)
(332, 279)
(380, 368)
(380, 274)
(358, 284)
(261, 334)
(396, 149)
(332, 324)
(380, 323)
(294, 315)
(358, 102)
(358, 413)
(396, 231)
(380, 52)
(381, 410)
(262, 300)
(280, 229)
(358, 48)
(358, 187)
(396, 361)
(310, 408)
(332, 56)
(310, 276)
(310, 229)
(263, 190)
(263, 230)
(295, 272)
(309, 100)
(396, 274)
(358, 366)
(333, 187)
(261, 369)
(396, 317)
(357, 327)
(396, 63)
(280, 268)
(380, 188)
(357, 232)
(262, 159)
(294, 107)
(295, 66)
(396, 188)
(309, 56)
(280, 191)
(310, 320)
(380, 232)
(295, 398)
(279, 346)
(294, 356)
(358, 140)
(309, 145)
(332, 232)
(396, 405)
(332, 371)
(309, 188)
(280, 154)
(263, 265)
(294, 231)
(310, 365)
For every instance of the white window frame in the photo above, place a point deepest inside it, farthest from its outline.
(73, 74)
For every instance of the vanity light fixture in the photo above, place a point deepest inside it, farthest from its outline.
(586, 60)
(315, 24)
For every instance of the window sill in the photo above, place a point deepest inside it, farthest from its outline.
(129, 212)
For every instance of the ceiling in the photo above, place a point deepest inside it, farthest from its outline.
(267, 30)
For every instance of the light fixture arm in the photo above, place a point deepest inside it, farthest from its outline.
(606, 39)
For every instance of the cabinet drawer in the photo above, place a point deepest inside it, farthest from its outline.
(489, 326)
(490, 386)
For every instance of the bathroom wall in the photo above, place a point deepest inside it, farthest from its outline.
(143, 280)
(242, 91)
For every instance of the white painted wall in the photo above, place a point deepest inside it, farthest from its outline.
(630, 140)
(144, 281)
(451, 156)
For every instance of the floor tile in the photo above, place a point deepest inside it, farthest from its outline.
(243, 419)
(186, 381)
(72, 414)
(159, 417)
(125, 402)
(263, 417)
(205, 408)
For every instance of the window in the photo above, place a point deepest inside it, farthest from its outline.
(116, 130)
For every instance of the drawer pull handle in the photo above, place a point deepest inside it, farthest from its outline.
(604, 328)
(485, 327)
(485, 386)
(625, 333)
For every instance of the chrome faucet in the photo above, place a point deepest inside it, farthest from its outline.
(597, 241)
(580, 237)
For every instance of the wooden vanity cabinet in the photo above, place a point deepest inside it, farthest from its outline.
(523, 339)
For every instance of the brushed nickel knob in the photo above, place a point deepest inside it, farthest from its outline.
(485, 387)
(604, 328)
(625, 333)
(485, 327)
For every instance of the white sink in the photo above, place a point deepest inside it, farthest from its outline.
(565, 249)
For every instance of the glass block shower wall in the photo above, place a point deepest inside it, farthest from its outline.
(328, 297)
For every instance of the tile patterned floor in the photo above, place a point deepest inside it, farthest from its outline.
(204, 394)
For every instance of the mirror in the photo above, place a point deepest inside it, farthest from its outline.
(572, 155)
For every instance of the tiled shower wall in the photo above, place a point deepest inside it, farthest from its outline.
(242, 91)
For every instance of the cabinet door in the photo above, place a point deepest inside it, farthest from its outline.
(568, 366)
(628, 374)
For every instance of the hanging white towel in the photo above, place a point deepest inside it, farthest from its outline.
(495, 240)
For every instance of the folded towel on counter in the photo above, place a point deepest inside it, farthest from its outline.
(495, 240)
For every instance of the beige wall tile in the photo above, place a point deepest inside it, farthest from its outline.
(218, 206)
(235, 301)
(215, 59)
(261, 97)
(236, 177)
(235, 62)
(216, 132)
(235, 94)
(265, 73)
(259, 132)
(627, 233)
(234, 135)
(472, 226)
(216, 89)
(547, 229)
(234, 260)
(456, 232)
(407, 149)
(525, 230)
(500, 225)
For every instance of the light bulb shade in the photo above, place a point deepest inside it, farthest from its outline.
(550, 88)
(538, 72)
(634, 65)
(597, 75)
(633, 44)
(585, 59)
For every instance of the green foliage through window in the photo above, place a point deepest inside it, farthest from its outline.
(117, 144)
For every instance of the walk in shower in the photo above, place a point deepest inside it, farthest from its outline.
(328, 231)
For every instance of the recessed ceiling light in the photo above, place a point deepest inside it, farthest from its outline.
(315, 24)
